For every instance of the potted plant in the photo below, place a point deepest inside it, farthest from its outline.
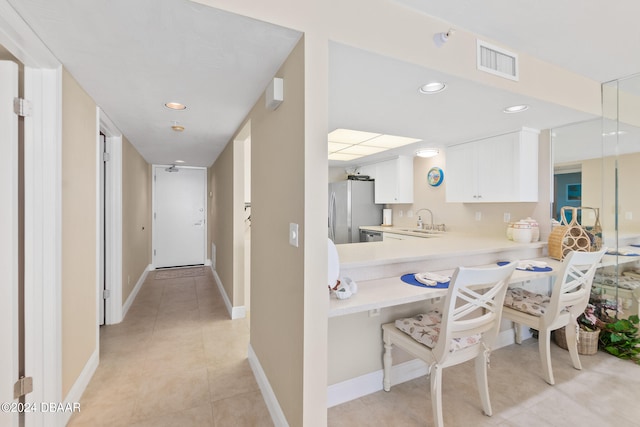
(620, 338)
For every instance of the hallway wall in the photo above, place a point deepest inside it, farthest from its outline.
(136, 217)
(79, 317)
(221, 218)
(277, 268)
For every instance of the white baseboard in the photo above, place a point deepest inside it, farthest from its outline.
(207, 262)
(372, 382)
(81, 383)
(239, 312)
(136, 289)
(270, 399)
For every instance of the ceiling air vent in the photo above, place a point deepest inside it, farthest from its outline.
(497, 61)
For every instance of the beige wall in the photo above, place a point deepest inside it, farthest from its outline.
(221, 217)
(277, 297)
(136, 217)
(79, 318)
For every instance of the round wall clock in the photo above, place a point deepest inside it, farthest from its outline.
(435, 176)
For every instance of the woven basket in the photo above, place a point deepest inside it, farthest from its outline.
(569, 236)
(587, 340)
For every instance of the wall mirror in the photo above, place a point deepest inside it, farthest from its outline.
(603, 157)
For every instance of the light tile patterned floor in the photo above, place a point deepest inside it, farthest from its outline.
(177, 360)
(604, 393)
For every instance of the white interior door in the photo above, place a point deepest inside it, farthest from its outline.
(179, 226)
(9, 240)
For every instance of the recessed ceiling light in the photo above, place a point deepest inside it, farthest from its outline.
(516, 109)
(433, 87)
(427, 152)
(179, 161)
(177, 128)
(175, 106)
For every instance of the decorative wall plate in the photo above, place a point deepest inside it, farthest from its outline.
(435, 176)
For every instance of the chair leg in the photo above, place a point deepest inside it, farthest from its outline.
(483, 383)
(518, 331)
(436, 394)
(572, 345)
(544, 347)
(386, 362)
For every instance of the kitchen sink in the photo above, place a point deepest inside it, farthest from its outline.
(421, 231)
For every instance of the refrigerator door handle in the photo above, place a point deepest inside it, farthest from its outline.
(332, 216)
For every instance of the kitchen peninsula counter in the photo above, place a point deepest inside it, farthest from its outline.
(445, 250)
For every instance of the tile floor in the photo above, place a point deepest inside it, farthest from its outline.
(177, 360)
(604, 393)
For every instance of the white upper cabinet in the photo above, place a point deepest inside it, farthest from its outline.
(394, 179)
(503, 168)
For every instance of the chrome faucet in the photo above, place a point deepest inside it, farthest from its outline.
(420, 223)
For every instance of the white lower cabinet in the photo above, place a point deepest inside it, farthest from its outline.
(393, 179)
(503, 168)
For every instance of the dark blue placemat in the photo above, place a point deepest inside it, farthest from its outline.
(535, 269)
(411, 279)
(619, 254)
(635, 245)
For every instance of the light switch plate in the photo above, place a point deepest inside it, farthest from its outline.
(293, 234)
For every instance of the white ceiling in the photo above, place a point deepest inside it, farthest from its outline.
(594, 38)
(132, 56)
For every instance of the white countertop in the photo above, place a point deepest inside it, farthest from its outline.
(445, 245)
(381, 293)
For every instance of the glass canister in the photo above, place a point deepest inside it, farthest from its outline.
(522, 232)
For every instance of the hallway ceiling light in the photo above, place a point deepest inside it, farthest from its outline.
(427, 152)
(175, 106)
(515, 109)
(431, 88)
(179, 161)
(177, 127)
(347, 144)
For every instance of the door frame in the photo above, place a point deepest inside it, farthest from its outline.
(9, 261)
(43, 208)
(153, 210)
(113, 218)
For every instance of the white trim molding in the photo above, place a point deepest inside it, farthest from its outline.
(81, 384)
(136, 289)
(372, 382)
(238, 312)
(277, 416)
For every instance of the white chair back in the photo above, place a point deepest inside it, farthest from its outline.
(473, 306)
(571, 294)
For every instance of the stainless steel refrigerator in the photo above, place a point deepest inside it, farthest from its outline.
(351, 205)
